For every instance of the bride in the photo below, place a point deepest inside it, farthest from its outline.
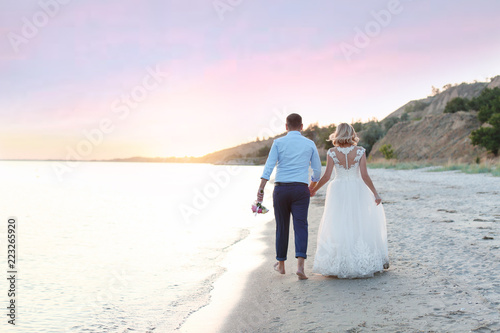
(352, 236)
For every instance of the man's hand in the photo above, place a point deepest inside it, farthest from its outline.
(260, 195)
(312, 187)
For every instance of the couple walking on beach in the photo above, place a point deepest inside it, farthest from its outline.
(352, 236)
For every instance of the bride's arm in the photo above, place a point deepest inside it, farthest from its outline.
(367, 179)
(326, 176)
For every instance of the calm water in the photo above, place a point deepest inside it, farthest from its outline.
(118, 247)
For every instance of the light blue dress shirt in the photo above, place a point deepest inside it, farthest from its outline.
(294, 154)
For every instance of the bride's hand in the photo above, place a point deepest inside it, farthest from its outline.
(378, 200)
(312, 189)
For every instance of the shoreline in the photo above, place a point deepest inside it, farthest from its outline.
(239, 262)
(442, 275)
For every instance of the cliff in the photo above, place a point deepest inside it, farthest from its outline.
(437, 138)
(429, 134)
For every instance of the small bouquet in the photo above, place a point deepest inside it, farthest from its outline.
(258, 208)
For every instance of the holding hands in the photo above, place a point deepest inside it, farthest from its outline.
(313, 189)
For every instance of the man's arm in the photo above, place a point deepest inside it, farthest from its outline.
(260, 193)
(316, 167)
(268, 170)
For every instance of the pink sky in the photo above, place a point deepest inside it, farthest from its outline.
(223, 78)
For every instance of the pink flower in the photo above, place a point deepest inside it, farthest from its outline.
(258, 208)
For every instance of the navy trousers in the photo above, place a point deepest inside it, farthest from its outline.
(291, 198)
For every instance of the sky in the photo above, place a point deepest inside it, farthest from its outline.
(115, 79)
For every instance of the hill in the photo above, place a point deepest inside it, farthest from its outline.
(432, 135)
(436, 138)
(418, 130)
(247, 153)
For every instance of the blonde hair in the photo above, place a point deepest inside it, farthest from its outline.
(344, 134)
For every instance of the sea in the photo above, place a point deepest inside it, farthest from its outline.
(118, 246)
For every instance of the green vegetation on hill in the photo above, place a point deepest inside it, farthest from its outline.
(264, 151)
(320, 135)
(457, 104)
(488, 105)
(387, 151)
(488, 137)
(369, 133)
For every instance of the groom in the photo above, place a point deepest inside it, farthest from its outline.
(293, 154)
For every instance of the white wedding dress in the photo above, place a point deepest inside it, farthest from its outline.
(352, 236)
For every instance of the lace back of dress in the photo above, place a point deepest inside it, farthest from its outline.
(351, 154)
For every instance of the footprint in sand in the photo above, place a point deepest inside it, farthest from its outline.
(447, 211)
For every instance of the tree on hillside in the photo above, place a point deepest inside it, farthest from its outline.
(357, 125)
(435, 91)
(372, 132)
(264, 151)
(387, 151)
(488, 137)
(324, 136)
(311, 132)
(488, 104)
(457, 104)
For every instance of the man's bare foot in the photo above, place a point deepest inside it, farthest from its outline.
(302, 275)
(279, 267)
(300, 268)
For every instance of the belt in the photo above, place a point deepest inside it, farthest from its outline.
(290, 184)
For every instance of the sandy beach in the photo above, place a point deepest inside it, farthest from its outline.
(444, 247)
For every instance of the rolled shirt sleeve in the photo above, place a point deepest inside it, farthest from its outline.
(271, 161)
(315, 165)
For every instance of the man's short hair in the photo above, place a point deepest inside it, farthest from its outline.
(294, 121)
